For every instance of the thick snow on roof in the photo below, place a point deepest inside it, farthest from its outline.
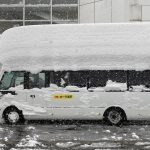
(76, 47)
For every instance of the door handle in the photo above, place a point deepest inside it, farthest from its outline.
(32, 96)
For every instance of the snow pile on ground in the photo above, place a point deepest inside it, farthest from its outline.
(66, 145)
(76, 47)
(135, 136)
(142, 143)
(29, 141)
(101, 145)
(31, 128)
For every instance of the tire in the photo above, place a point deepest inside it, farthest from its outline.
(13, 116)
(114, 116)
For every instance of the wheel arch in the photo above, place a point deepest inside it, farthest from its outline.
(8, 107)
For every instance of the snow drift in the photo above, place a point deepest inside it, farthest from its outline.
(76, 47)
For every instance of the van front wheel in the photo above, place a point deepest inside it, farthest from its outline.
(13, 116)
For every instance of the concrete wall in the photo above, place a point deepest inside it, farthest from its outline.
(86, 11)
(145, 10)
(120, 10)
(91, 12)
(97, 11)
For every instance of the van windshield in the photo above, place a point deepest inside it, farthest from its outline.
(11, 79)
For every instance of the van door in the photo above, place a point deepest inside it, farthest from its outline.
(35, 95)
(67, 97)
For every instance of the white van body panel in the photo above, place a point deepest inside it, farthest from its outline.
(82, 105)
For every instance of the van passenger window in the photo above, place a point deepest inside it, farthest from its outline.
(139, 80)
(98, 78)
(79, 78)
(12, 79)
(61, 78)
(117, 80)
(18, 79)
(36, 80)
(70, 78)
(112, 80)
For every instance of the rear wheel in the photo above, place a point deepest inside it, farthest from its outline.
(13, 116)
(114, 116)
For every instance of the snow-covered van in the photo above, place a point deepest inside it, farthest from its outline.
(92, 71)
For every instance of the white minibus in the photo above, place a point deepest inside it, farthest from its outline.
(81, 72)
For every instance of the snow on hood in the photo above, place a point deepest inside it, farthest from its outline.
(76, 47)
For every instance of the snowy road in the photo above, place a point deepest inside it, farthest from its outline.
(74, 137)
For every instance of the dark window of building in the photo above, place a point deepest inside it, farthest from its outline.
(13, 13)
(37, 12)
(65, 2)
(65, 13)
(11, 2)
(36, 22)
(41, 13)
(35, 2)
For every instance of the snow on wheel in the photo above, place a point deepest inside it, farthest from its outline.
(13, 115)
(114, 116)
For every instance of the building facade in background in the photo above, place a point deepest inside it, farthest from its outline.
(29, 12)
(98, 11)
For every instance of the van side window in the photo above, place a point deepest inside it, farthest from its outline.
(117, 81)
(146, 78)
(36, 80)
(111, 80)
(79, 78)
(6, 80)
(98, 78)
(18, 79)
(60, 78)
(12, 79)
(119, 76)
(70, 78)
(139, 80)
